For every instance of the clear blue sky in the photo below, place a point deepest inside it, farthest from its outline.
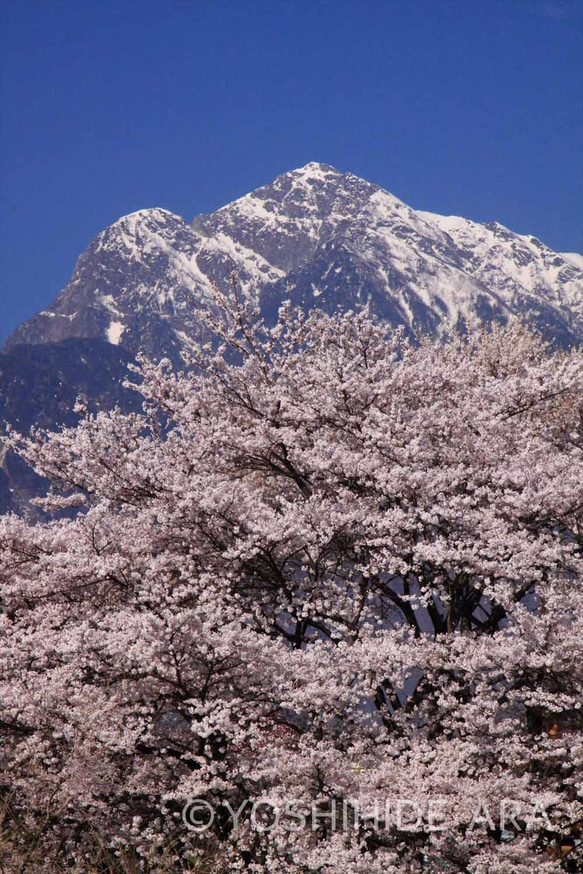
(468, 107)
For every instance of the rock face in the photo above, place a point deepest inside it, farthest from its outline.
(316, 236)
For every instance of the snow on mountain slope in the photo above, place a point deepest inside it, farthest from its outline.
(317, 236)
(134, 284)
(527, 262)
(345, 242)
(573, 258)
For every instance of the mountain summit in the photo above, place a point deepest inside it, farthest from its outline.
(319, 237)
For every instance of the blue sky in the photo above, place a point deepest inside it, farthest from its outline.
(468, 107)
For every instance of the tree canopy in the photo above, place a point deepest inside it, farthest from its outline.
(326, 570)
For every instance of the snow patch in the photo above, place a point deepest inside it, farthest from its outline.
(314, 170)
(573, 258)
(109, 303)
(114, 332)
(52, 315)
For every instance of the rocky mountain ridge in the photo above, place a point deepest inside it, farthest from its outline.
(319, 237)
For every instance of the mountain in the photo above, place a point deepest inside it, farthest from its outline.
(314, 235)
(319, 237)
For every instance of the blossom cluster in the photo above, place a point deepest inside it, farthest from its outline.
(323, 564)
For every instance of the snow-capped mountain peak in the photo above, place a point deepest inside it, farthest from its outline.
(318, 236)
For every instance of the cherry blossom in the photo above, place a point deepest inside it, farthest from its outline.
(326, 570)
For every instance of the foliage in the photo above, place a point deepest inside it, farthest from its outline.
(325, 567)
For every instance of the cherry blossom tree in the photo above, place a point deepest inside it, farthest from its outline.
(325, 591)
